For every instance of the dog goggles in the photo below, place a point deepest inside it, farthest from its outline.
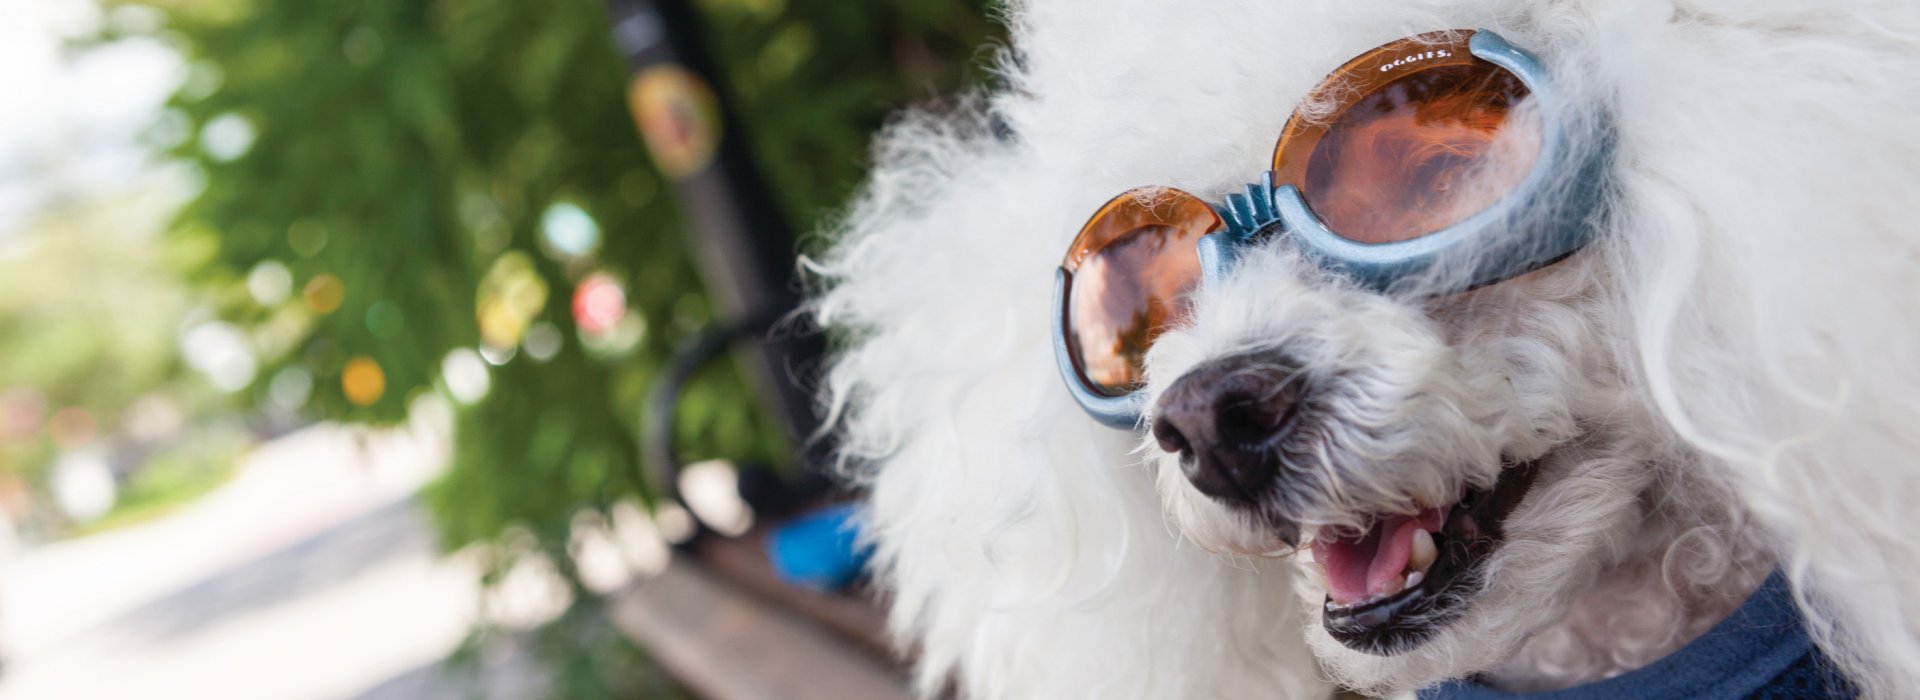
(1414, 160)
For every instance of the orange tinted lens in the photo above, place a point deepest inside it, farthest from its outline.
(1130, 267)
(1427, 136)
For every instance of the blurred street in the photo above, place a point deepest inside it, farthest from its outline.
(312, 574)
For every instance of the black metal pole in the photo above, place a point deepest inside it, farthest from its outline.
(745, 250)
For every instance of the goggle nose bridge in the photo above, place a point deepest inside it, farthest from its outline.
(1246, 217)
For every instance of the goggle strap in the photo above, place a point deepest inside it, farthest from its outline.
(1246, 214)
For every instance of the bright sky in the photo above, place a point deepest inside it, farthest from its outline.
(70, 119)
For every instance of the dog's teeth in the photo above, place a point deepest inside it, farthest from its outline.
(1424, 551)
(1320, 573)
(1415, 578)
(1398, 584)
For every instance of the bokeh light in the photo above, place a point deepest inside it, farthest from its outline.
(290, 388)
(640, 541)
(307, 237)
(363, 47)
(569, 230)
(385, 320)
(674, 523)
(363, 381)
(511, 293)
(599, 303)
(466, 375)
(595, 553)
(623, 337)
(221, 352)
(21, 411)
(530, 593)
(498, 356)
(83, 485)
(72, 427)
(270, 283)
(203, 78)
(324, 293)
(155, 417)
(543, 341)
(712, 490)
(227, 137)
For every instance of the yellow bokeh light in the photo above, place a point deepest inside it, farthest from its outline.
(511, 294)
(324, 293)
(500, 327)
(363, 381)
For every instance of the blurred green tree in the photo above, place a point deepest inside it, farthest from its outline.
(88, 306)
(428, 178)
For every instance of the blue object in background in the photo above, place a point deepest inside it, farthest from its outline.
(820, 550)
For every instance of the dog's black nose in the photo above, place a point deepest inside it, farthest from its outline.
(1222, 418)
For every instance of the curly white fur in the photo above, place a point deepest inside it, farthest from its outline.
(1726, 382)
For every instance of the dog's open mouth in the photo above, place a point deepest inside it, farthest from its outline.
(1395, 585)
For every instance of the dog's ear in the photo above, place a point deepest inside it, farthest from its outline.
(1022, 544)
(1766, 254)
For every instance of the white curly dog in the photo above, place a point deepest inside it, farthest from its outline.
(1723, 384)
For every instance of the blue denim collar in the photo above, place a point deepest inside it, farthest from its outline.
(1761, 650)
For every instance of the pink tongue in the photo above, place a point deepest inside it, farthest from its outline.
(1366, 567)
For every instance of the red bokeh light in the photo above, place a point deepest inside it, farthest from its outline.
(599, 303)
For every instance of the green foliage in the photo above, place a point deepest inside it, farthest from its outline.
(86, 314)
(402, 148)
(390, 153)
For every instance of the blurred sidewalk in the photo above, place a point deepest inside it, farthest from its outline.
(311, 575)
